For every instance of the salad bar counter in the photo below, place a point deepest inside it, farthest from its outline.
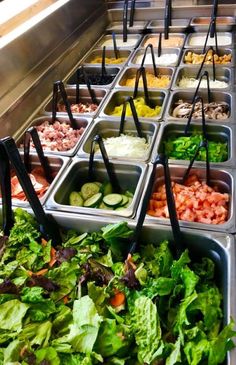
(120, 102)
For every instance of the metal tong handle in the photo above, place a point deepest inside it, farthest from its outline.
(135, 117)
(115, 45)
(132, 11)
(48, 227)
(5, 182)
(202, 144)
(109, 167)
(161, 159)
(58, 86)
(153, 58)
(204, 74)
(33, 133)
(213, 27)
(203, 61)
(88, 84)
(125, 20)
(141, 72)
(197, 98)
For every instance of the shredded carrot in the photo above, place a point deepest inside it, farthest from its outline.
(23, 350)
(41, 272)
(53, 257)
(44, 242)
(65, 299)
(30, 273)
(118, 299)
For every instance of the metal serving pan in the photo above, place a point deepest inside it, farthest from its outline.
(220, 247)
(77, 174)
(153, 38)
(197, 40)
(137, 56)
(109, 53)
(57, 165)
(130, 72)
(215, 132)
(95, 71)
(132, 41)
(177, 25)
(110, 128)
(223, 23)
(222, 74)
(81, 123)
(221, 178)
(138, 27)
(221, 51)
(117, 97)
(187, 96)
(84, 97)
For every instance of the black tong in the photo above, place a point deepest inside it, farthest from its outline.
(179, 246)
(213, 63)
(141, 72)
(125, 20)
(58, 86)
(202, 144)
(135, 117)
(9, 152)
(32, 133)
(109, 167)
(5, 182)
(167, 18)
(153, 58)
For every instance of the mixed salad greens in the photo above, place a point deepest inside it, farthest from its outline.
(81, 303)
(184, 148)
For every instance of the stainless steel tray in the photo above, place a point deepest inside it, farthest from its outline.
(130, 72)
(215, 132)
(223, 179)
(153, 38)
(137, 56)
(177, 25)
(96, 70)
(223, 23)
(84, 97)
(117, 97)
(81, 122)
(221, 51)
(110, 128)
(138, 27)
(222, 74)
(187, 96)
(197, 40)
(57, 164)
(132, 41)
(109, 53)
(77, 175)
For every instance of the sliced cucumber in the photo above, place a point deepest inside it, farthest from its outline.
(76, 199)
(104, 206)
(129, 194)
(106, 188)
(93, 201)
(128, 203)
(113, 200)
(125, 200)
(89, 189)
(98, 183)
